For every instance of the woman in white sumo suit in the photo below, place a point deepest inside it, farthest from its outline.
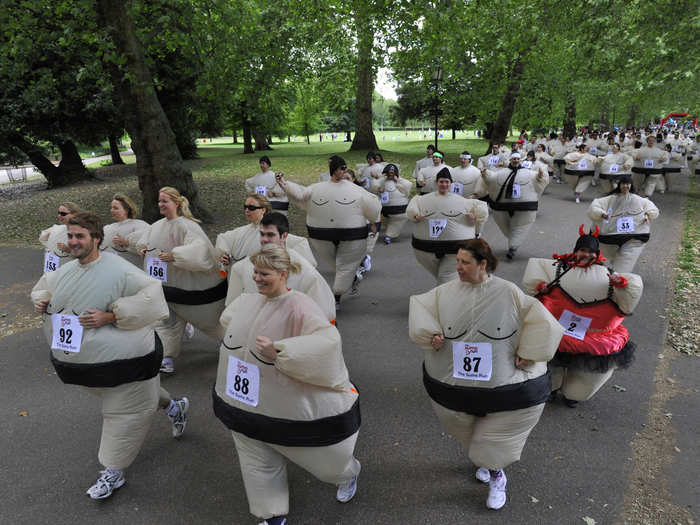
(338, 213)
(178, 253)
(283, 389)
(442, 219)
(393, 194)
(55, 238)
(486, 350)
(100, 312)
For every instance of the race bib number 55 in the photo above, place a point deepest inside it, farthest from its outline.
(471, 360)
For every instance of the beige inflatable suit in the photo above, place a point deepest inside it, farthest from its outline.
(302, 407)
(49, 239)
(393, 196)
(131, 230)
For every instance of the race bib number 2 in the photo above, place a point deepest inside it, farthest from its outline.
(67, 333)
(157, 269)
(472, 360)
(437, 226)
(574, 325)
(243, 381)
(51, 262)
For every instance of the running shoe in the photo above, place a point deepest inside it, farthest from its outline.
(109, 481)
(189, 331)
(167, 366)
(483, 474)
(277, 520)
(355, 288)
(179, 418)
(347, 490)
(387, 240)
(497, 491)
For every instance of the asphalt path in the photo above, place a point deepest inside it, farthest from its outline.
(576, 462)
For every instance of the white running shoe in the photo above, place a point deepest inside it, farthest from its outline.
(483, 474)
(277, 520)
(497, 491)
(109, 481)
(367, 263)
(578, 200)
(167, 365)
(179, 419)
(355, 288)
(347, 490)
(189, 331)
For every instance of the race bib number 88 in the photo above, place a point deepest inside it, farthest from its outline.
(472, 360)
(243, 381)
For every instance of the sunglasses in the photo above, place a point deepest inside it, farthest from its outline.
(63, 213)
(250, 207)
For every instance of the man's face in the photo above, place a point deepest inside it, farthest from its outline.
(464, 162)
(443, 185)
(515, 162)
(436, 160)
(80, 243)
(264, 165)
(650, 141)
(429, 151)
(270, 234)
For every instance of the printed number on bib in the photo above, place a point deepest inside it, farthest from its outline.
(614, 168)
(436, 227)
(471, 360)
(384, 197)
(527, 164)
(243, 381)
(67, 333)
(157, 268)
(625, 225)
(493, 160)
(457, 187)
(261, 190)
(593, 150)
(648, 163)
(574, 325)
(516, 191)
(583, 165)
(51, 262)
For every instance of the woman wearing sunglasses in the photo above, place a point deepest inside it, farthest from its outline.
(55, 238)
(178, 253)
(237, 244)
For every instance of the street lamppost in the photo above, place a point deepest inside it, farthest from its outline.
(435, 80)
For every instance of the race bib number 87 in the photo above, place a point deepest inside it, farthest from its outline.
(243, 381)
(472, 360)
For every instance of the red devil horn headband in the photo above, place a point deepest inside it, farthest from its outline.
(581, 231)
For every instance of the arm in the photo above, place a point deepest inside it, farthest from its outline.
(195, 253)
(650, 210)
(541, 332)
(413, 210)
(423, 324)
(480, 211)
(142, 304)
(628, 292)
(599, 208)
(235, 283)
(296, 192)
(371, 207)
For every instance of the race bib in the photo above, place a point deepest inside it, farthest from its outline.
(384, 197)
(527, 164)
(243, 381)
(471, 360)
(648, 163)
(157, 268)
(436, 227)
(614, 168)
(365, 185)
(516, 191)
(625, 225)
(261, 190)
(593, 150)
(493, 160)
(583, 165)
(574, 325)
(67, 333)
(457, 188)
(51, 262)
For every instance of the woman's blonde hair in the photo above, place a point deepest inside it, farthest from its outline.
(72, 207)
(261, 200)
(274, 257)
(127, 204)
(180, 199)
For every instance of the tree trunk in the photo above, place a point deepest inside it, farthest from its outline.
(69, 170)
(454, 133)
(569, 124)
(114, 150)
(605, 116)
(502, 124)
(260, 140)
(364, 135)
(320, 137)
(633, 116)
(247, 138)
(348, 136)
(235, 137)
(158, 160)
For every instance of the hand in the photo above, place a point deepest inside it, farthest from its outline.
(143, 252)
(438, 341)
(469, 215)
(93, 318)
(265, 346)
(225, 258)
(63, 247)
(419, 217)
(166, 256)
(605, 216)
(523, 364)
(483, 172)
(40, 306)
(279, 177)
(646, 218)
(120, 241)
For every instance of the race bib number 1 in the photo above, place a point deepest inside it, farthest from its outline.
(625, 225)
(436, 227)
(384, 197)
(574, 325)
(67, 333)
(157, 268)
(261, 190)
(457, 188)
(51, 262)
(471, 360)
(243, 381)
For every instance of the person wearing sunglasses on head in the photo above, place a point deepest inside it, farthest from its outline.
(55, 238)
(178, 253)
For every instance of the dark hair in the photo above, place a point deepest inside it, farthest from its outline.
(277, 220)
(90, 222)
(481, 251)
(444, 173)
(378, 157)
(334, 163)
(430, 146)
(531, 153)
(265, 159)
(465, 152)
(370, 155)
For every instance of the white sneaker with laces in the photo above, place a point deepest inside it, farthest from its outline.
(109, 481)
(367, 263)
(179, 418)
(167, 366)
(355, 288)
(189, 331)
(483, 474)
(347, 490)
(578, 200)
(497, 491)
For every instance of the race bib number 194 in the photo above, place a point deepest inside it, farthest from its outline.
(471, 360)
(437, 226)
